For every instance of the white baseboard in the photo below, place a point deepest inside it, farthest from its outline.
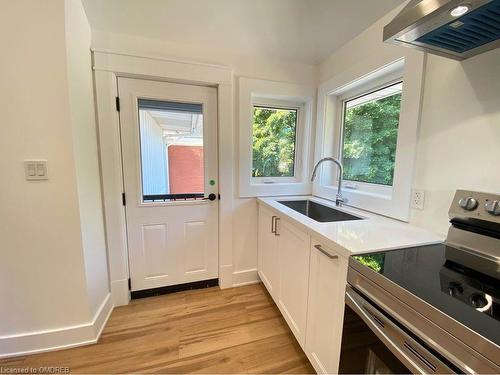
(120, 292)
(56, 339)
(102, 315)
(226, 276)
(245, 277)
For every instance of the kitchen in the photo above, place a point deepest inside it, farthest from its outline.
(443, 149)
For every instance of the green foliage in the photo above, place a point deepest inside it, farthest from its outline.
(373, 261)
(370, 136)
(273, 142)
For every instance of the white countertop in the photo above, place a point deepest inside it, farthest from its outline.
(374, 233)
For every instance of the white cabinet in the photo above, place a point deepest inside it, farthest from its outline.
(283, 266)
(328, 277)
(293, 252)
(268, 261)
(307, 281)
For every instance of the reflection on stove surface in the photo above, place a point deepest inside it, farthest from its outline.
(436, 274)
(471, 287)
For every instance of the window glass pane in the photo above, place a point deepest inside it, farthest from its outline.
(274, 133)
(370, 134)
(172, 164)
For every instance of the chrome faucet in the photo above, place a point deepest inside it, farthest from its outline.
(339, 199)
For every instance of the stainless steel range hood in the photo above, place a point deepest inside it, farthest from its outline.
(457, 29)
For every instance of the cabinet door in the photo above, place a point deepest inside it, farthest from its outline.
(294, 250)
(268, 262)
(328, 277)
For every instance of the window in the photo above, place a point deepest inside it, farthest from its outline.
(369, 135)
(368, 118)
(275, 125)
(273, 141)
(172, 159)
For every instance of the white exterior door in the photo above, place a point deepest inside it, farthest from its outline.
(169, 150)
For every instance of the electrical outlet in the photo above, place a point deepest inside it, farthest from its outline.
(417, 199)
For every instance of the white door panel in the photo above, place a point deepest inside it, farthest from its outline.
(155, 247)
(195, 237)
(169, 149)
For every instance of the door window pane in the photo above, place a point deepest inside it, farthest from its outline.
(172, 162)
(369, 138)
(273, 147)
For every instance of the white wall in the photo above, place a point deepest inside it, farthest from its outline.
(261, 67)
(244, 65)
(459, 140)
(53, 272)
(459, 145)
(41, 244)
(84, 132)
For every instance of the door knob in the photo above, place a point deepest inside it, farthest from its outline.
(211, 197)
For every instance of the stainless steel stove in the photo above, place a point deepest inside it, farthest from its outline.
(430, 309)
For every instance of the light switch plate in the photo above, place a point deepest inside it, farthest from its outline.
(36, 170)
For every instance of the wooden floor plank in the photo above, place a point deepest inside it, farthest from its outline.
(210, 331)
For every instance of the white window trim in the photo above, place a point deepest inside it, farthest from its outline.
(385, 200)
(283, 95)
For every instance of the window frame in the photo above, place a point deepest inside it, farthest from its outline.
(275, 94)
(299, 133)
(369, 75)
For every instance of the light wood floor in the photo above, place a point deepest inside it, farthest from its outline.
(237, 330)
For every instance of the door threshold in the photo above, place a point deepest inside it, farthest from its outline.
(173, 288)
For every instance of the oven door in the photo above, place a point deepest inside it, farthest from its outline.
(374, 343)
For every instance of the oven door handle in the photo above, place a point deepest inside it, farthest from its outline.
(403, 346)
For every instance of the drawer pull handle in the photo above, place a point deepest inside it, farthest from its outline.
(325, 252)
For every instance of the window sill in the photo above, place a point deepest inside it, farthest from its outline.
(252, 190)
(388, 205)
(346, 191)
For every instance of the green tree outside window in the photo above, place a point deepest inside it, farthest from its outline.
(369, 140)
(274, 133)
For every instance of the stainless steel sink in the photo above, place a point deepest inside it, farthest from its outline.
(319, 212)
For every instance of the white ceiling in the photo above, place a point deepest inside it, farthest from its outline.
(297, 30)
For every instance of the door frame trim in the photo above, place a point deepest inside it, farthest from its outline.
(107, 68)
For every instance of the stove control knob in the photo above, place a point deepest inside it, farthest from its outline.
(455, 289)
(468, 204)
(478, 301)
(493, 207)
